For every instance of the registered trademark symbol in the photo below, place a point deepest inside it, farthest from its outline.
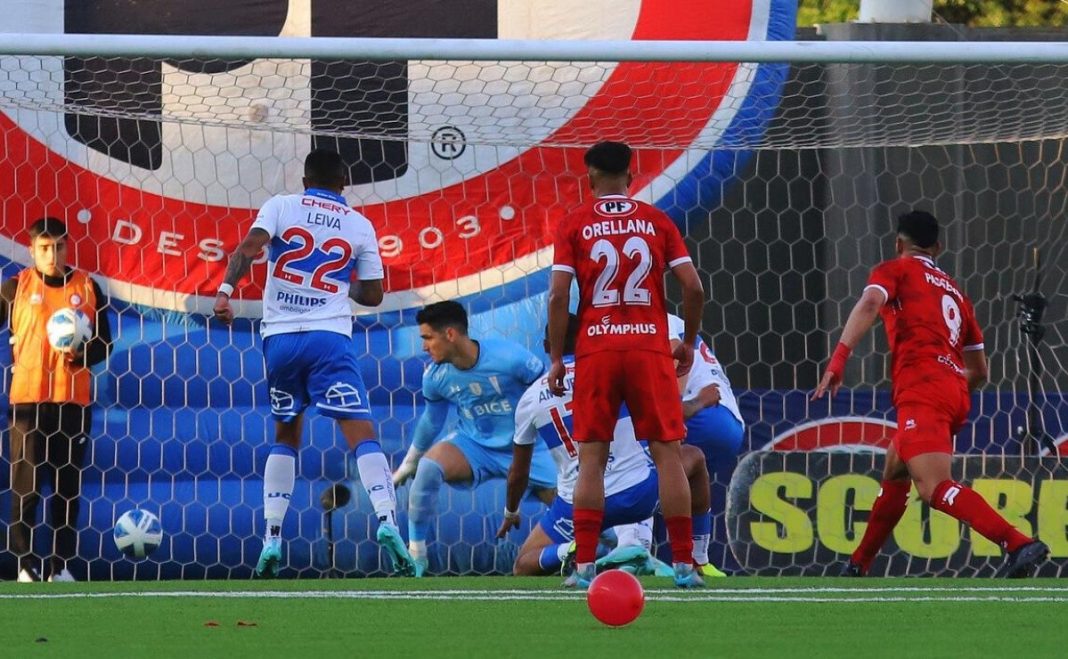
(448, 143)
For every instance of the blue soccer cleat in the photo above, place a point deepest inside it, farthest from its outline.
(687, 577)
(389, 539)
(420, 565)
(629, 558)
(270, 559)
(655, 567)
(580, 578)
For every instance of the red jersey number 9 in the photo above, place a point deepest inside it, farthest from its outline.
(339, 251)
(951, 314)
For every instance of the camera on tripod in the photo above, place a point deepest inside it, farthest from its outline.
(1030, 310)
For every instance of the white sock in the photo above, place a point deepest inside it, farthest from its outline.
(278, 476)
(700, 549)
(639, 534)
(377, 480)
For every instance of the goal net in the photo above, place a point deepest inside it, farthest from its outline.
(787, 179)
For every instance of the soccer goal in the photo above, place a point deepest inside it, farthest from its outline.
(786, 164)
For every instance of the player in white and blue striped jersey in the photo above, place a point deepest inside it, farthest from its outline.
(713, 421)
(317, 245)
(482, 380)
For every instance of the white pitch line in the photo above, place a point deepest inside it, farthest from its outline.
(711, 589)
(902, 589)
(737, 595)
(875, 599)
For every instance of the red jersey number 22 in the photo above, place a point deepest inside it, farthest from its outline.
(605, 288)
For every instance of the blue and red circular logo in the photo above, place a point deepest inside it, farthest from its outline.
(155, 207)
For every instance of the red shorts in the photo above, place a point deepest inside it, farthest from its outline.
(928, 420)
(644, 380)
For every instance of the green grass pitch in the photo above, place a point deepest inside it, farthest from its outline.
(533, 617)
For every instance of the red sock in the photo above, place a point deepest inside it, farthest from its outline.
(887, 510)
(587, 533)
(680, 534)
(965, 504)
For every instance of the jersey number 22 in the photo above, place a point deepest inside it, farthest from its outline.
(605, 293)
(339, 253)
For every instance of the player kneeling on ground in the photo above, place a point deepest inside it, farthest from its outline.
(714, 425)
(631, 488)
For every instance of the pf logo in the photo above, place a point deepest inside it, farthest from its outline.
(446, 183)
(612, 207)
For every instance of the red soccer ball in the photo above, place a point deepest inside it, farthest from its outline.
(615, 598)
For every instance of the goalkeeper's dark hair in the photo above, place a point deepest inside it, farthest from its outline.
(326, 167)
(612, 158)
(49, 227)
(920, 227)
(441, 315)
(570, 338)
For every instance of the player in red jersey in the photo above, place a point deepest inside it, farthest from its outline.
(618, 249)
(937, 360)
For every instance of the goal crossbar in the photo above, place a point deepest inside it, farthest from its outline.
(342, 48)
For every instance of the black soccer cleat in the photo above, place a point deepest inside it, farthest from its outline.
(1022, 563)
(850, 569)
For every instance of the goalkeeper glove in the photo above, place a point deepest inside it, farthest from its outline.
(406, 471)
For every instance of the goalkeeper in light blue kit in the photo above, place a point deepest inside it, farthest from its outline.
(483, 380)
(317, 244)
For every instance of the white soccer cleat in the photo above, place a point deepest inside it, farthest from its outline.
(63, 576)
(28, 575)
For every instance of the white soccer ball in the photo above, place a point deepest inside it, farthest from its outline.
(68, 330)
(138, 533)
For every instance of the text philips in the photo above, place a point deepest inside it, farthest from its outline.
(301, 300)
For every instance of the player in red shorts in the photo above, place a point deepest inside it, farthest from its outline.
(937, 360)
(618, 249)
